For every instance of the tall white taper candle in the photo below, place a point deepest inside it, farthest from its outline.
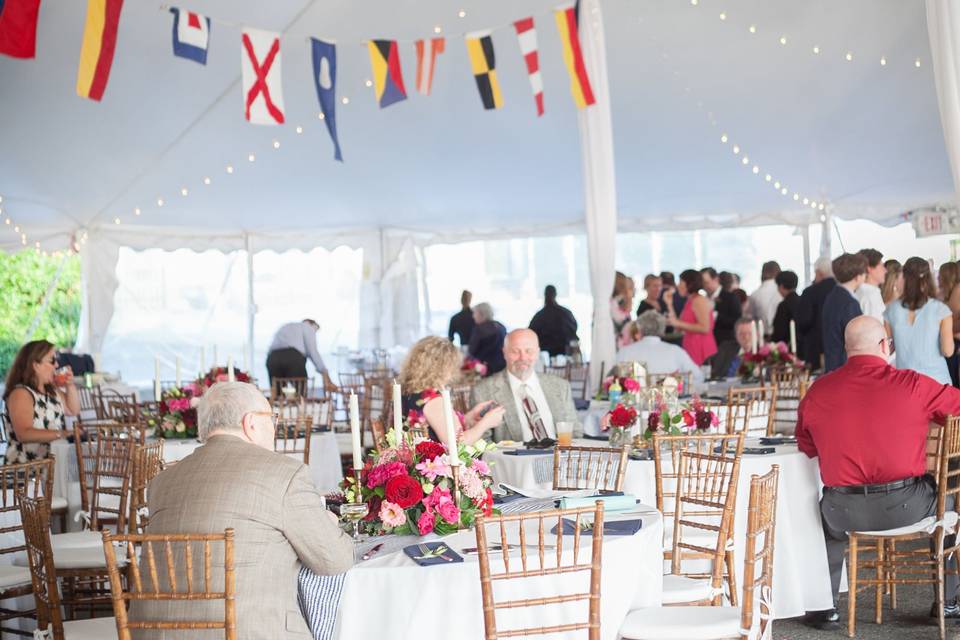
(178, 372)
(397, 411)
(355, 432)
(793, 337)
(760, 335)
(231, 377)
(156, 378)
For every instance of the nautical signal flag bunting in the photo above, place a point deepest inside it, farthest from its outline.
(484, 63)
(18, 27)
(262, 88)
(567, 23)
(325, 79)
(527, 35)
(191, 35)
(427, 52)
(96, 52)
(387, 75)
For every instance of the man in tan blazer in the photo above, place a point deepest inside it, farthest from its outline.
(236, 480)
(551, 395)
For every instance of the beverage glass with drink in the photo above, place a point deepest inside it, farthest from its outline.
(564, 433)
(61, 376)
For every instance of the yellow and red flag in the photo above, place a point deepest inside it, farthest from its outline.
(99, 42)
(573, 57)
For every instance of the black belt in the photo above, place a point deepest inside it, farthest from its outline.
(886, 487)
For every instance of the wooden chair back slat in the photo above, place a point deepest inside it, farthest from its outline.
(302, 387)
(759, 547)
(579, 467)
(536, 562)
(293, 437)
(175, 582)
(147, 463)
(30, 479)
(35, 515)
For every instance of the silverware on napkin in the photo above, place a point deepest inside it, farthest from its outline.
(369, 554)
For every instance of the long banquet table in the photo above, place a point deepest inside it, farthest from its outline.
(801, 581)
(391, 596)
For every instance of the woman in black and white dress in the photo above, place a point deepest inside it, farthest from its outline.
(35, 406)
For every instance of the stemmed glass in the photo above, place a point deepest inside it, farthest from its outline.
(354, 512)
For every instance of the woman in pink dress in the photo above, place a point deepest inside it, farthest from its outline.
(696, 318)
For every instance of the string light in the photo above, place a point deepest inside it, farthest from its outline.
(723, 15)
(299, 130)
(849, 56)
(184, 192)
(753, 28)
(16, 228)
(916, 63)
(783, 40)
(116, 221)
(745, 160)
(344, 100)
(136, 211)
(251, 157)
(806, 201)
(462, 14)
(276, 144)
(694, 2)
(437, 29)
(159, 202)
(320, 116)
(816, 49)
(883, 61)
(796, 197)
(207, 180)
(368, 82)
(756, 169)
(783, 191)
(768, 177)
(723, 138)
(736, 149)
(229, 168)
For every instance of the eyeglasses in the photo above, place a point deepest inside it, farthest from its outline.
(888, 341)
(52, 361)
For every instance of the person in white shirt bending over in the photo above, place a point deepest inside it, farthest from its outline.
(869, 295)
(660, 357)
(764, 301)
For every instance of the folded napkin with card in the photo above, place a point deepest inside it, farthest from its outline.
(777, 440)
(427, 554)
(748, 451)
(622, 502)
(611, 528)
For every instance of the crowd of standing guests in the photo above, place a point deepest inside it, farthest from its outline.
(917, 306)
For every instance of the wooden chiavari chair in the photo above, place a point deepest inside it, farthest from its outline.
(460, 398)
(352, 381)
(34, 480)
(35, 513)
(292, 437)
(751, 410)
(180, 555)
(667, 478)
(147, 463)
(705, 503)
(578, 375)
(791, 384)
(90, 407)
(302, 388)
(915, 565)
(750, 620)
(106, 396)
(559, 370)
(600, 468)
(379, 435)
(534, 561)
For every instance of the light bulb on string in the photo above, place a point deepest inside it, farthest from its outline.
(783, 40)
(462, 14)
(745, 160)
(299, 130)
(849, 56)
(206, 180)
(251, 158)
(756, 169)
(16, 228)
(806, 201)
(116, 221)
(813, 205)
(783, 191)
(159, 202)
(796, 197)
(753, 28)
(883, 61)
(723, 138)
(916, 63)
(768, 177)
(776, 185)
(736, 149)
(723, 15)
(320, 116)
(136, 211)
(229, 168)
(344, 100)
(276, 144)
(368, 82)
(437, 29)
(184, 192)
(816, 49)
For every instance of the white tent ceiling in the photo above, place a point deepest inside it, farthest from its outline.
(864, 136)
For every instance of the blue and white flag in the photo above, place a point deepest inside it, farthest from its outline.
(191, 35)
(325, 77)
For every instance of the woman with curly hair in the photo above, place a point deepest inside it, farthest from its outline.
(431, 365)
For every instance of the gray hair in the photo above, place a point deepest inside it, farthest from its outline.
(823, 265)
(651, 323)
(223, 406)
(484, 310)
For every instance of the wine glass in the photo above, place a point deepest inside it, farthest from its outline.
(354, 512)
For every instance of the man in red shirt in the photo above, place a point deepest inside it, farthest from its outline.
(868, 423)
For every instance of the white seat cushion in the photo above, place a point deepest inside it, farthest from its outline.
(680, 589)
(92, 629)
(11, 576)
(58, 503)
(682, 623)
(76, 540)
(927, 525)
(81, 558)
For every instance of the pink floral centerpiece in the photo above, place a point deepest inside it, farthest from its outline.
(408, 488)
(178, 413)
(771, 354)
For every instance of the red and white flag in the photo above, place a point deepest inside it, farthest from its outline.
(527, 35)
(262, 88)
(427, 52)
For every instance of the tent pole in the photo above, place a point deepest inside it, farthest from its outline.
(251, 305)
(826, 233)
(805, 232)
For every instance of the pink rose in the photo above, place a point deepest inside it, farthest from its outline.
(380, 474)
(425, 523)
(449, 512)
(765, 350)
(392, 515)
(782, 348)
(631, 385)
(480, 467)
(433, 468)
(438, 496)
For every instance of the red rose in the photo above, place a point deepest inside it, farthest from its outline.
(688, 418)
(428, 449)
(374, 508)
(403, 491)
(487, 505)
(622, 416)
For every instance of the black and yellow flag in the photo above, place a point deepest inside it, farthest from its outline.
(483, 63)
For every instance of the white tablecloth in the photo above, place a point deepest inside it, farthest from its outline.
(405, 595)
(801, 581)
(325, 467)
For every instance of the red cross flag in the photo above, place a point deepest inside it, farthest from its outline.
(262, 90)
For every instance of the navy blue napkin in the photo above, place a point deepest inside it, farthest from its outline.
(611, 528)
(415, 551)
(528, 452)
(507, 499)
(581, 404)
(587, 436)
(641, 454)
(775, 440)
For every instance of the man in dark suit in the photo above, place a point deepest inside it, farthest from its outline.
(726, 361)
(461, 323)
(808, 313)
(787, 309)
(554, 325)
(840, 307)
(719, 288)
(486, 341)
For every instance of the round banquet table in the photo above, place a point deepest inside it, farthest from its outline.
(801, 581)
(391, 596)
(325, 468)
